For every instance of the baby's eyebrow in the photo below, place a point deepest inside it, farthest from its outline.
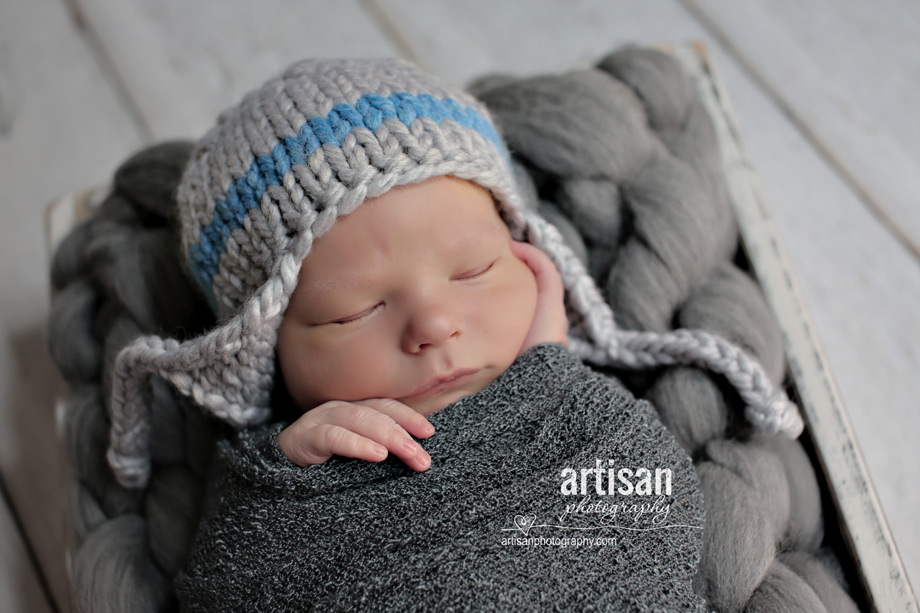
(457, 246)
(329, 284)
(473, 238)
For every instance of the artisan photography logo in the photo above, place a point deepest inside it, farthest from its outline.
(599, 504)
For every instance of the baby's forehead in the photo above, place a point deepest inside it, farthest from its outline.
(440, 219)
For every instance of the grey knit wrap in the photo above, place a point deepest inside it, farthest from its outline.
(355, 535)
(273, 176)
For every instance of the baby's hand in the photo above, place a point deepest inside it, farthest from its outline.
(365, 429)
(550, 324)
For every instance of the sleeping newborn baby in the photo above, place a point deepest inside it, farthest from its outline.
(420, 304)
(357, 231)
(412, 302)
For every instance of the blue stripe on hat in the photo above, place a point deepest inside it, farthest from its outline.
(370, 111)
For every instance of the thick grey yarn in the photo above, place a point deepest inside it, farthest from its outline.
(116, 571)
(658, 197)
(128, 544)
(695, 403)
(230, 370)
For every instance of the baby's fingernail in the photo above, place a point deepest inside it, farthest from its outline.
(380, 449)
(410, 445)
(427, 427)
(424, 459)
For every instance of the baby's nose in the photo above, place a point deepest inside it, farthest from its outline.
(431, 325)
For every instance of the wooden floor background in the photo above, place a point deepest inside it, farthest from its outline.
(826, 92)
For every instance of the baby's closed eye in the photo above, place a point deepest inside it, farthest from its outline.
(357, 316)
(474, 272)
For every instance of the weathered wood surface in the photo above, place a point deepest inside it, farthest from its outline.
(846, 72)
(62, 126)
(85, 82)
(181, 62)
(20, 585)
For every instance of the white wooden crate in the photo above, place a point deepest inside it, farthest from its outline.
(862, 523)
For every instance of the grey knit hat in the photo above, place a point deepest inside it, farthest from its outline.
(276, 172)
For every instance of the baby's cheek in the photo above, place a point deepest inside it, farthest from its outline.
(317, 373)
(519, 307)
(527, 293)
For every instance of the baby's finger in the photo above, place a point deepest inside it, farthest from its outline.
(342, 441)
(383, 429)
(316, 444)
(407, 417)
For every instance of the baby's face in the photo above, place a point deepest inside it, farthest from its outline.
(415, 296)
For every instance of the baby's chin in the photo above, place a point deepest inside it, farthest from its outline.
(433, 404)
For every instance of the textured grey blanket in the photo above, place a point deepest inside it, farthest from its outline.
(506, 517)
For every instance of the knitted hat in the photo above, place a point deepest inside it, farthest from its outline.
(278, 170)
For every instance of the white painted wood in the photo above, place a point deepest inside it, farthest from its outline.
(828, 424)
(868, 49)
(182, 62)
(860, 285)
(464, 40)
(33, 466)
(20, 587)
(847, 72)
(61, 128)
(63, 214)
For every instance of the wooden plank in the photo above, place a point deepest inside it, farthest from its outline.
(33, 464)
(863, 522)
(464, 40)
(20, 587)
(846, 72)
(62, 127)
(861, 286)
(183, 62)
